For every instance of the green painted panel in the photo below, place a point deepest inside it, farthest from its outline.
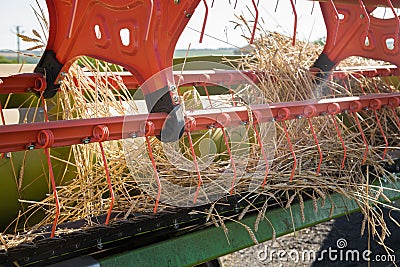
(24, 175)
(210, 243)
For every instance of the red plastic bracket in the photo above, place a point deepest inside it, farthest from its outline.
(355, 25)
(97, 28)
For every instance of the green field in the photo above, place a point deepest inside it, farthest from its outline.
(7, 57)
(205, 52)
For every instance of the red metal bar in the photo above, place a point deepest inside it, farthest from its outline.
(22, 83)
(154, 28)
(368, 71)
(22, 136)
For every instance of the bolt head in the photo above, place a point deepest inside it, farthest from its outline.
(175, 98)
(173, 89)
(86, 141)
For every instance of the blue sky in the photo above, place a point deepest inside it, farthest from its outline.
(310, 26)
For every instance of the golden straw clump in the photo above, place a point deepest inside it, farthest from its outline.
(285, 77)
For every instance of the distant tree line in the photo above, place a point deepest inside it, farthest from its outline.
(4, 60)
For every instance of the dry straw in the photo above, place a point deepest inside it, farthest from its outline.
(286, 79)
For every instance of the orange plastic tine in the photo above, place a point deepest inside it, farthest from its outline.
(333, 117)
(101, 133)
(232, 95)
(149, 131)
(46, 116)
(208, 95)
(395, 116)
(291, 149)
(362, 87)
(375, 86)
(196, 165)
(54, 187)
(318, 146)
(345, 84)
(191, 124)
(295, 22)
(255, 21)
(110, 188)
(376, 104)
(204, 21)
(337, 21)
(367, 17)
(45, 142)
(3, 120)
(263, 155)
